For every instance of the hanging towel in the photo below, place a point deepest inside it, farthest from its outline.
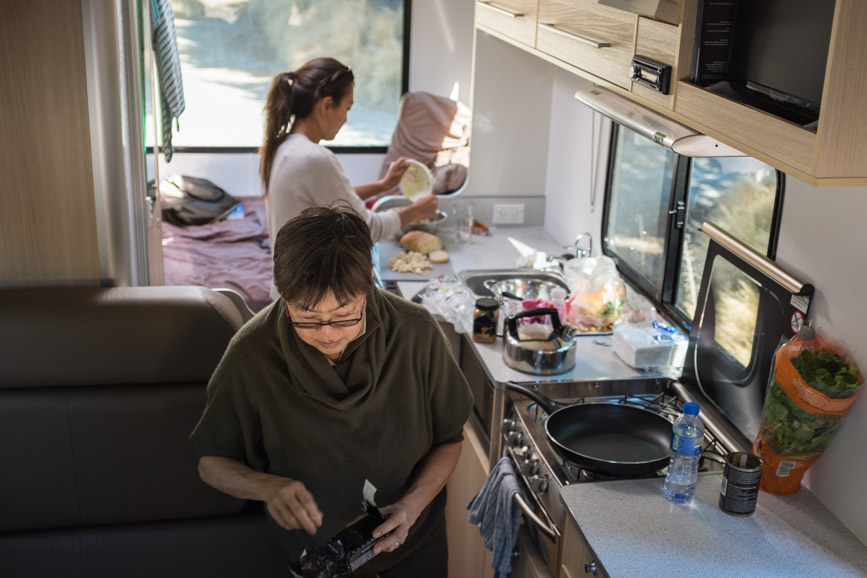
(168, 68)
(499, 519)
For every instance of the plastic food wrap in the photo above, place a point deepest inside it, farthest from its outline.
(813, 386)
(598, 294)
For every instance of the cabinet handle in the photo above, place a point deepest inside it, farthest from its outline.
(537, 521)
(498, 10)
(569, 35)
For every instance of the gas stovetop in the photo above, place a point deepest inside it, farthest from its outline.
(527, 436)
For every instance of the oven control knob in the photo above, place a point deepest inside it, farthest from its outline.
(515, 439)
(530, 467)
(539, 484)
(508, 425)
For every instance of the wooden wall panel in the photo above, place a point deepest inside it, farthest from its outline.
(47, 216)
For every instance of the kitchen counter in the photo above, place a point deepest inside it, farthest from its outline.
(634, 531)
(595, 358)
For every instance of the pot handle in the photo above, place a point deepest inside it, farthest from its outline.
(547, 403)
(540, 311)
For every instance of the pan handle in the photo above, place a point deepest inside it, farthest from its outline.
(547, 403)
(531, 515)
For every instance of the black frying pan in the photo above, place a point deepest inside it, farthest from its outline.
(606, 438)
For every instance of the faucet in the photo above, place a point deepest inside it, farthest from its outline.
(580, 252)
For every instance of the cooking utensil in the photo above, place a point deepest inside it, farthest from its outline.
(417, 181)
(532, 349)
(431, 225)
(606, 438)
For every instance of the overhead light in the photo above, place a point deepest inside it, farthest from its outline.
(650, 124)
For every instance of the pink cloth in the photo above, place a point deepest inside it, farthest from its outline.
(528, 304)
(232, 253)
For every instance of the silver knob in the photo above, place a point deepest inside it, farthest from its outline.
(591, 568)
(539, 484)
(530, 467)
(515, 439)
(508, 425)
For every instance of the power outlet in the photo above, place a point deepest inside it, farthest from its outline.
(508, 214)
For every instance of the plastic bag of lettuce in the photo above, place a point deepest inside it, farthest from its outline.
(813, 386)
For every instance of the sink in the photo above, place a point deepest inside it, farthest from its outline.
(523, 283)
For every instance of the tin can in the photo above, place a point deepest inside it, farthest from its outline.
(740, 484)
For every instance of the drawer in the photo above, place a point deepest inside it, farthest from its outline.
(515, 19)
(595, 38)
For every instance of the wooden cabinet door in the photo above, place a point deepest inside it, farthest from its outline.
(515, 19)
(468, 555)
(576, 558)
(593, 37)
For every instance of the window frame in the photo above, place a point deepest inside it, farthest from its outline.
(663, 296)
(361, 149)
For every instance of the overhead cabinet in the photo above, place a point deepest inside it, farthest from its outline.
(601, 43)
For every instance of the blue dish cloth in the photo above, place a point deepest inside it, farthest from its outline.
(497, 515)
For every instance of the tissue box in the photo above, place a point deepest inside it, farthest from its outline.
(647, 345)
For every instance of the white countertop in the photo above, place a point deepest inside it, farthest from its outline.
(635, 531)
(595, 358)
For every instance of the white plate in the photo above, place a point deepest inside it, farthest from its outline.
(416, 181)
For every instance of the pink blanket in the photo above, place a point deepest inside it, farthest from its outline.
(232, 254)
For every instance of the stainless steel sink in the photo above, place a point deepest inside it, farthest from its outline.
(523, 283)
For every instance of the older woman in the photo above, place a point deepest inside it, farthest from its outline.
(333, 384)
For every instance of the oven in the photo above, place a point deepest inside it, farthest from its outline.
(544, 472)
(729, 390)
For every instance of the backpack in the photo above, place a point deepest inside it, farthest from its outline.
(194, 201)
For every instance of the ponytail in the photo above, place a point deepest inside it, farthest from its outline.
(293, 95)
(278, 115)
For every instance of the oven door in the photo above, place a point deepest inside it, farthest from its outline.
(529, 561)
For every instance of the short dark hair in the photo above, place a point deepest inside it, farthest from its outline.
(324, 249)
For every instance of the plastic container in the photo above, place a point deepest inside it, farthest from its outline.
(649, 344)
(687, 435)
(558, 300)
(485, 318)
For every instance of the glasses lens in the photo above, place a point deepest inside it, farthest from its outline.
(346, 322)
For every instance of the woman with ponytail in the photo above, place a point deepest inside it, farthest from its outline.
(306, 106)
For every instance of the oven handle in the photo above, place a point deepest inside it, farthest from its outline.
(531, 515)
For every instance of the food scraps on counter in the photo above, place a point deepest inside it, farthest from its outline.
(409, 262)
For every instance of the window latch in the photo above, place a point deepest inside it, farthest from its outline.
(679, 212)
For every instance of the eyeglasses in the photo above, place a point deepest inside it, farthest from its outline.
(333, 323)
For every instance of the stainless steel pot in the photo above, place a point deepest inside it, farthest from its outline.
(531, 348)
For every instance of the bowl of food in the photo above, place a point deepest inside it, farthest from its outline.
(417, 181)
(431, 225)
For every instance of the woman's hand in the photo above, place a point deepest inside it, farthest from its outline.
(293, 507)
(422, 209)
(400, 517)
(394, 173)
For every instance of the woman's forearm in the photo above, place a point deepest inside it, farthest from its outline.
(235, 478)
(370, 189)
(432, 477)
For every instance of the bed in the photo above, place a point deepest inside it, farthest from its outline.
(232, 253)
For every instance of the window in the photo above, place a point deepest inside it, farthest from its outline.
(231, 49)
(655, 204)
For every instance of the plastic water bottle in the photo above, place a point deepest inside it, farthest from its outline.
(687, 435)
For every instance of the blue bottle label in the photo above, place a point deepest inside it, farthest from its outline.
(686, 446)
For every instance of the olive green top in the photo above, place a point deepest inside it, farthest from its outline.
(277, 404)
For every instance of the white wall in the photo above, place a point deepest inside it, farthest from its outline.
(821, 242)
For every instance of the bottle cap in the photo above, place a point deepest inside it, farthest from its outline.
(487, 304)
(690, 408)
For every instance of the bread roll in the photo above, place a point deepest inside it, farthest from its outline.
(439, 256)
(421, 242)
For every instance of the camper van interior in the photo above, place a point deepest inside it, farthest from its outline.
(704, 163)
